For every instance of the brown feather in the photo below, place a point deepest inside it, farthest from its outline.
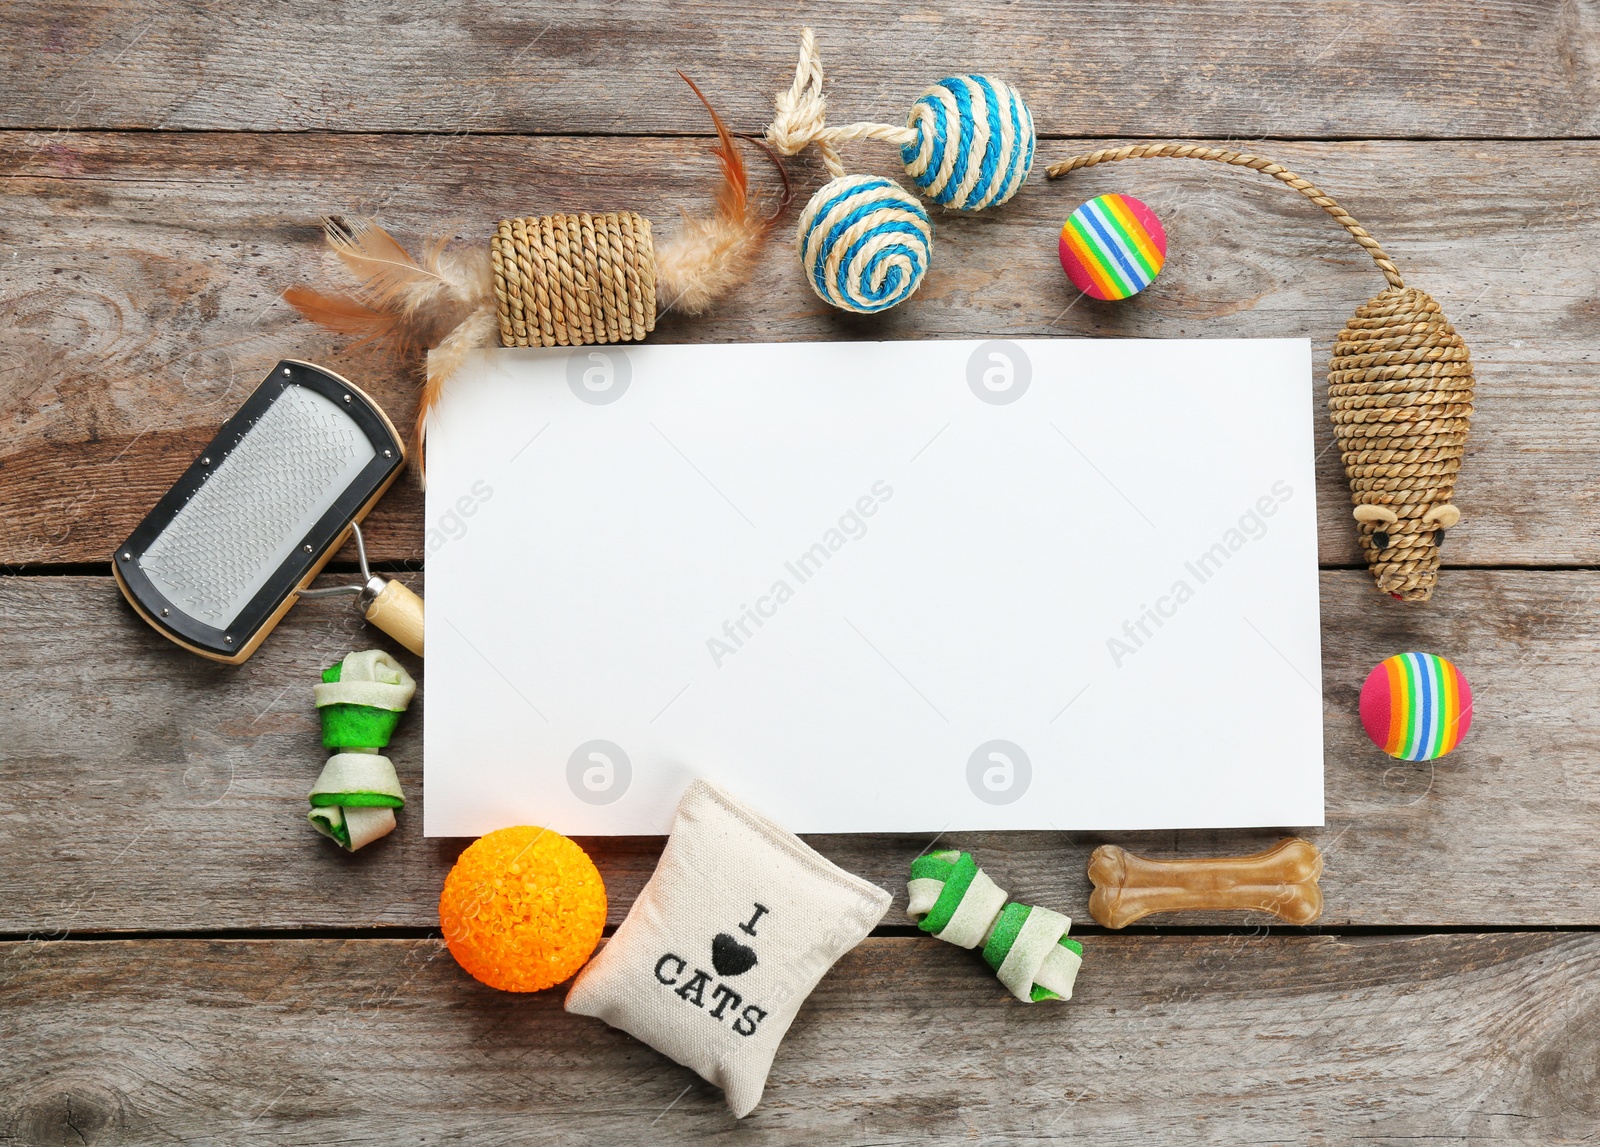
(476, 330)
(341, 313)
(385, 269)
(445, 301)
(733, 197)
(427, 298)
(709, 257)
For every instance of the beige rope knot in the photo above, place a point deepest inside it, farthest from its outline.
(801, 116)
(802, 110)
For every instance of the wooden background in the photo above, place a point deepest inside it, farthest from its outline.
(182, 960)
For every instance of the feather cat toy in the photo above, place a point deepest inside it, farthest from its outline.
(548, 280)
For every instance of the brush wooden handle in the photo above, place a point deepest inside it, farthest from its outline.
(1282, 880)
(398, 612)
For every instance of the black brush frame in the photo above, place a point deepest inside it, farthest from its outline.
(240, 639)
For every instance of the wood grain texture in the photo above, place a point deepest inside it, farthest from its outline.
(1213, 1040)
(139, 303)
(1104, 67)
(143, 788)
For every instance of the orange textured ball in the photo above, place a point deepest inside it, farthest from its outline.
(523, 908)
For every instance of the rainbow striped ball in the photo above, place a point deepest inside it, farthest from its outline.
(974, 144)
(864, 243)
(1416, 706)
(1113, 247)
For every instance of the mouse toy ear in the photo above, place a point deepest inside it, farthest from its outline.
(1444, 517)
(547, 280)
(1399, 394)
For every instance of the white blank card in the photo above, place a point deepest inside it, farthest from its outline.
(869, 587)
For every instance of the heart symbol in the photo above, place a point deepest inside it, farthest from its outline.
(729, 957)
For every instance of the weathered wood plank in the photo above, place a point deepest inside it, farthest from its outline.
(143, 788)
(139, 301)
(1225, 1040)
(1107, 67)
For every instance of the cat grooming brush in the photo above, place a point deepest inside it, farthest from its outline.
(253, 520)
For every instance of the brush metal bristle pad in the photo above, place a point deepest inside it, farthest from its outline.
(259, 508)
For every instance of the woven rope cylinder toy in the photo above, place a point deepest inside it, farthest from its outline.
(1399, 394)
(573, 280)
(545, 280)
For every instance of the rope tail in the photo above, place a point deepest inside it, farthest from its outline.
(1239, 159)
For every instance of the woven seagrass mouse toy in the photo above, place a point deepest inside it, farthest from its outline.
(1399, 394)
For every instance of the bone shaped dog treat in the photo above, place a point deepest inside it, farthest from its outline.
(1282, 880)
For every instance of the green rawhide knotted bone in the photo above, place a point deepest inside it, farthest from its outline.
(954, 900)
(360, 701)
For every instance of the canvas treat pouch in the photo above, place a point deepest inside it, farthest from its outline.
(735, 927)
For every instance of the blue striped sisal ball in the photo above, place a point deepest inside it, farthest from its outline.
(864, 243)
(974, 144)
